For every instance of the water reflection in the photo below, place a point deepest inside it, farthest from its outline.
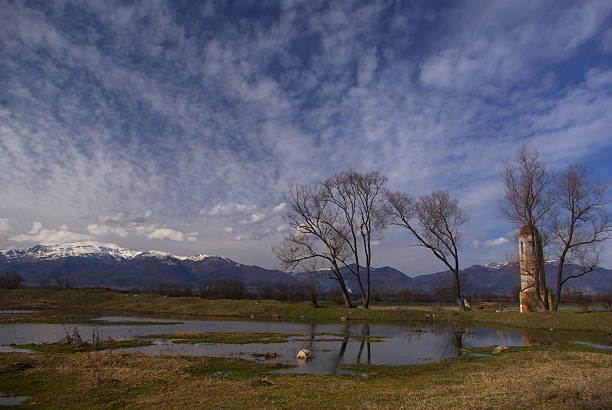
(332, 345)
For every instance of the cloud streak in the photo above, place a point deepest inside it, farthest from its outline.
(489, 243)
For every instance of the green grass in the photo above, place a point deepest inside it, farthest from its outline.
(600, 321)
(224, 337)
(85, 347)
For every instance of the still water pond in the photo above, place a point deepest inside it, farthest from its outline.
(332, 345)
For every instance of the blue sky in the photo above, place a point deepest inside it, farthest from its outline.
(177, 125)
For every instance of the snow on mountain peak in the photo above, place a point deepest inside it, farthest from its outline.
(196, 258)
(91, 249)
(496, 265)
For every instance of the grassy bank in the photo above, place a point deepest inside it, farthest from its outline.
(557, 377)
(83, 347)
(599, 321)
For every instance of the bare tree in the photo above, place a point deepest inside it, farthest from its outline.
(579, 224)
(310, 285)
(222, 289)
(527, 203)
(64, 284)
(317, 230)
(360, 200)
(11, 280)
(435, 221)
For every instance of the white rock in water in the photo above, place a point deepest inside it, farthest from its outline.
(304, 354)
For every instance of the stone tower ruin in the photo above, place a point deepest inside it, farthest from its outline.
(531, 268)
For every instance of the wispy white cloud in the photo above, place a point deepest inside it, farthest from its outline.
(124, 224)
(606, 40)
(490, 242)
(100, 230)
(249, 222)
(7, 226)
(39, 234)
(122, 218)
(172, 234)
(228, 210)
(499, 43)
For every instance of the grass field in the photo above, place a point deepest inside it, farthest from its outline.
(562, 376)
(598, 321)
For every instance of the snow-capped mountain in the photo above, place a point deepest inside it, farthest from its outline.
(95, 264)
(91, 250)
(82, 249)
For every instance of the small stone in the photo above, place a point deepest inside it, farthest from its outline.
(261, 383)
(270, 355)
(499, 349)
(304, 354)
(111, 381)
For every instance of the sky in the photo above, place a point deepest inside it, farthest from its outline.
(178, 125)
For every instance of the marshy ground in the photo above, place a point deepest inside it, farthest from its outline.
(556, 375)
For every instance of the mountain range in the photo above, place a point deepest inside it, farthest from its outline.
(92, 264)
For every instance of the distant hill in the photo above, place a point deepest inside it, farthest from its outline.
(87, 264)
(91, 264)
(383, 278)
(503, 278)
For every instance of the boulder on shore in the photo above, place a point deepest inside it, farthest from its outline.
(499, 349)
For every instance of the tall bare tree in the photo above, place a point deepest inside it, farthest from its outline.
(579, 224)
(359, 197)
(527, 203)
(435, 221)
(317, 233)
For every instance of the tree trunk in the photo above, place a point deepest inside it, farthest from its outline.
(558, 289)
(367, 299)
(340, 279)
(345, 294)
(364, 300)
(313, 299)
(458, 297)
